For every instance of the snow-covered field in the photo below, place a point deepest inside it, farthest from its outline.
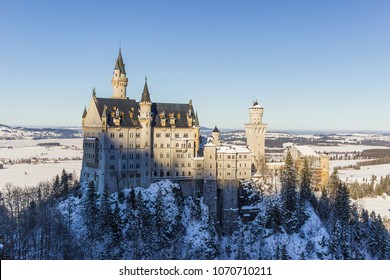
(365, 172)
(48, 161)
(345, 148)
(379, 204)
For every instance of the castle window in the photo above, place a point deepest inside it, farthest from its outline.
(168, 155)
(112, 146)
(189, 173)
(158, 135)
(137, 156)
(131, 166)
(229, 157)
(155, 145)
(124, 156)
(177, 135)
(168, 145)
(189, 145)
(177, 145)
(120, 146)
(131, 145)
(138, 135)
(199, 165)
(228, 166)
(112, 157)
(167, 173)
(167, 164)
(167, 135)
(189, 155)
(189, 164)
(131, 156)
(161, 145)
(112, 167)
(245, 156)
(183, 173)
(240, 166)
(161, 155)
(185, 135)
(182, 164)
(177, 173)
(120, 134)
(183, 145)
(245, 164)
(240, 156)
(211, 166)
(112, 135)
(124, 166)
(131, 135)
(228, 174)
(176, 165)
(138, 146)
(211, 174)
(137, 166)
(146, 144)
(211, 157)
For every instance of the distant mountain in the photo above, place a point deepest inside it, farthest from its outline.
(24, 133)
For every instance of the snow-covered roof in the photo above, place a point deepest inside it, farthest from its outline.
(233, 149)
(306, 150)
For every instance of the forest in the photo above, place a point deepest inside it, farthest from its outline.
(64, 219)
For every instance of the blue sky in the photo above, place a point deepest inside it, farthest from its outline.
(321, 65)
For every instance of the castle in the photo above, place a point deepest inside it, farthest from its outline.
(132, 144)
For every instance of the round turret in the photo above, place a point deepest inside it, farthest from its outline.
(256, 113)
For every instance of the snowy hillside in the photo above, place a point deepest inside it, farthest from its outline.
(22, 133)
(63, 220)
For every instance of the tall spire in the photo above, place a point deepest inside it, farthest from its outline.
(145, 94)
(196, 119)
(119, 80)
(119, 65)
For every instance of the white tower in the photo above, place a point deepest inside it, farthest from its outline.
(119, 80)
(255, 132)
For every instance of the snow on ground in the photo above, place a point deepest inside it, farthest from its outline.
(345, 148)
(24, 149)
(51, 160)
(36, 173)
(365, 172)
(379, 204)
(342, 162)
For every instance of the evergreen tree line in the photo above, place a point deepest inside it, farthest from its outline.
(369, 188)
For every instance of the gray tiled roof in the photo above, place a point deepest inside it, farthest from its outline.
(128, 111)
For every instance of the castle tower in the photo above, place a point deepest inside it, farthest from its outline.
(119, 80)
(215, 134)
(145, 117)
(255, 132)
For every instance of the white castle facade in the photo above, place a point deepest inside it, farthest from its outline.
(132, 144)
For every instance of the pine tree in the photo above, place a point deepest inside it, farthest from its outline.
(91, 213)
(131, 199)
(324, 206)
(289, 182)
(334, 182)
(105, 213)
(305, 191)
(342, 204)
(115, 244)
(56, 187)
(65, 182)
